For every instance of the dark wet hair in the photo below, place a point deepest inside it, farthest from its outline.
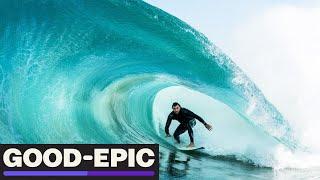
(175, 104)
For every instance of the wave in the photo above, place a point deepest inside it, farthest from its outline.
(107, 72)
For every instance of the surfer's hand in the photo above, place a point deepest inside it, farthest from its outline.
(208, 126)
(168, 135)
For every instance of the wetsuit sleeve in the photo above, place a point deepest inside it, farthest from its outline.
(169, 119)
(190, 113)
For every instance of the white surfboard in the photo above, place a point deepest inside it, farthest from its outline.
(190, 149)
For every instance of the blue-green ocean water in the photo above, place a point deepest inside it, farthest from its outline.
(89, 72)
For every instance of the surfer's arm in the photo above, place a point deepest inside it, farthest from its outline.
(192, 114)
(208, 126)
(169, 119)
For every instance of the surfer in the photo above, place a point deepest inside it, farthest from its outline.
(187, 121)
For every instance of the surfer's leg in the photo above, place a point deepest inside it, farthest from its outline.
(190, 132)
(180, 129)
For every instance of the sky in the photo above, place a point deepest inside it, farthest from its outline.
(276, 43)
(217, 19)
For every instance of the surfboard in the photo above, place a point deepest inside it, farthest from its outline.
(190, 149)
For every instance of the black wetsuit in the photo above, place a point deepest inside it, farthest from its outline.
(184, 117)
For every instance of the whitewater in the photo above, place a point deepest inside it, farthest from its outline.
(108, 72)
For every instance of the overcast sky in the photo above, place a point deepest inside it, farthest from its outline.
(217, 19)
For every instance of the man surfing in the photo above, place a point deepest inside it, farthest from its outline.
(187, 121)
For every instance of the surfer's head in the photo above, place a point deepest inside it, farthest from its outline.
(176, 107)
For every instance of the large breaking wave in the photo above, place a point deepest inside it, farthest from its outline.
(107, 72)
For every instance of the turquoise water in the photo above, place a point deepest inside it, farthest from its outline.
(97, 71)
